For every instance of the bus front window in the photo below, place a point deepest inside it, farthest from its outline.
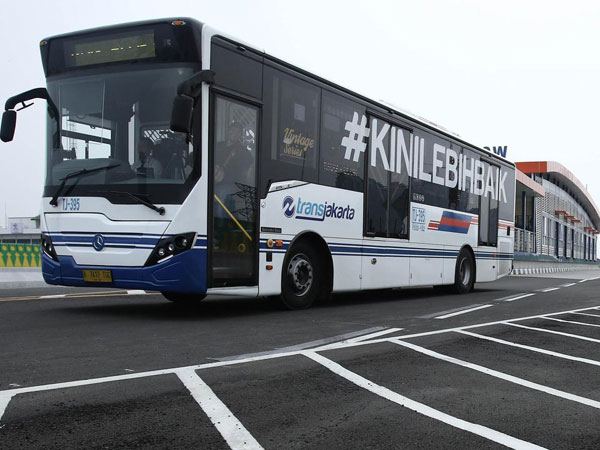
(119, 118)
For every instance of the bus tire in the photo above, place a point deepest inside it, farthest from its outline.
(302, 277)
(183, 299)
(464, 274)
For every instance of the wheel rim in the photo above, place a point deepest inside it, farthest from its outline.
(464, 272)
(300, 274)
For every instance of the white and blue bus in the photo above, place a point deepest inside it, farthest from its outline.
(183, 161)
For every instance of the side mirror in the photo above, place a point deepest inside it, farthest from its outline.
(181, 114)
(9, 122)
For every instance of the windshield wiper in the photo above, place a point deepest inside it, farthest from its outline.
(140, 200)
(78, 173)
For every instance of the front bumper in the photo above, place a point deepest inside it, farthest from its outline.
(184, 272)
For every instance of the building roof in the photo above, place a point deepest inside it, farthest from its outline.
(530, 186)
(566, 177)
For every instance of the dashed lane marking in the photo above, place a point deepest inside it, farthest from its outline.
(464, 311)
(518, 297)
(549, 289)
(480, 430)
(500, 375)
(566, 285)
(533, 349)
(232, 430)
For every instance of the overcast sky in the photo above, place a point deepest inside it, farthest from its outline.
(525, 74)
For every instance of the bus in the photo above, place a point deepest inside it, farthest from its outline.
(184, 161)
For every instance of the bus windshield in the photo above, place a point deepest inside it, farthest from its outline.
(119, 118)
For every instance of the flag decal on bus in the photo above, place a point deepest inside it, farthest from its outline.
(451, 222)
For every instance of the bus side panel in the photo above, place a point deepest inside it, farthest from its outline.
(438, 234)
(292, 209)
(385, 263)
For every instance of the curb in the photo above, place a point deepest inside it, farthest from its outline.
(541, 270)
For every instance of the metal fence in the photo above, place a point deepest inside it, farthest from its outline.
(524, 241)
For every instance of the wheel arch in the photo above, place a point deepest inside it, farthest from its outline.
(468, 248)
(317, 241)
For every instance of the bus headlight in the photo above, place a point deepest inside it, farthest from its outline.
(167, 247)
(48, 247)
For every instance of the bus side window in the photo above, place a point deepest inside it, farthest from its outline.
(291, 123)
(334, 169)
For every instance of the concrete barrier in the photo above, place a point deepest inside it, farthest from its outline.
(16, 278)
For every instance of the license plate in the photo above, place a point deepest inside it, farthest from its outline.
(97, 276)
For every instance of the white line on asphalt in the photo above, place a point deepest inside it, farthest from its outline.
(467, 327)
(232, 430)
(533, 349)
(136, 292)
(587, 314)
(549, 289)
(319, 343)
(512, 299)
(53, 296)
(501, 375)
(560, 333)
(374, 335)
(480, 430)
(570, 321)
(6, 395)
(566, 285)
(5, 399)
(464, 311)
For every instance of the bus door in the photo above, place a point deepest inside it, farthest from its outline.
(233, 198)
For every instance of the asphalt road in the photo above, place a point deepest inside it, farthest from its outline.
(514, 364)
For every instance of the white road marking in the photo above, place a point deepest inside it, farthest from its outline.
(549, 289)
(319, 343)
(6, 395)
(136, 292)
(466, 327)
(587, 314)
(361, 338)
(129, 370)
(533, 349)
(508, 296)
(575, 336)
(566, 285)
(441, 313)
(480, 430)
(232, 430)
(464, 311)
(52, 296)
(501, 375)
(512, 299)
(570, 321)
(5, 399)
(14, 385)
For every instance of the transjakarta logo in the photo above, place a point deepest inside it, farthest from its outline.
(407, 153)
(315, 211)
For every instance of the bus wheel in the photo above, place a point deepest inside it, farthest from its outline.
(301, 277)
(183, 299)
(464, 275)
